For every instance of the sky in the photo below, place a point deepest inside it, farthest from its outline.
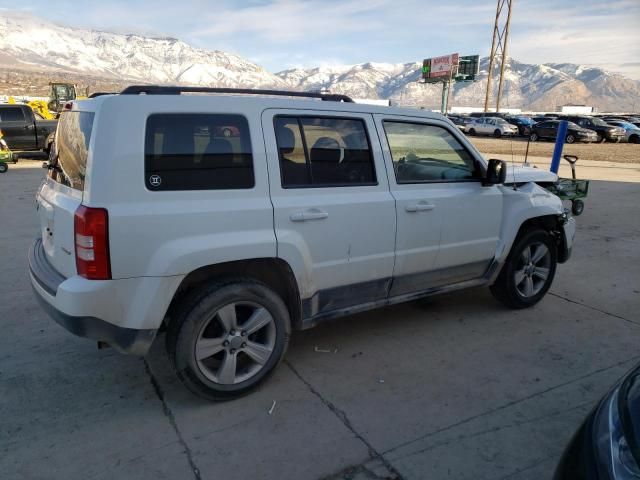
(282, 34)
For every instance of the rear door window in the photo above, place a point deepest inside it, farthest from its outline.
(11, 114)
(198, 152)
(71, 148)
(323, 151)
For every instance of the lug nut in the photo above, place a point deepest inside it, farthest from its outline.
(225, 343)
(243, 333)
(243, 345)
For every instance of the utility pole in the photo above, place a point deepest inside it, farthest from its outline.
(499, 48)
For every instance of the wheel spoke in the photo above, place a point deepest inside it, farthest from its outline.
(207, 347)
(227, 371)
(526, 255)
(541, 272)
(528, 287)
(519, 276)
(227, 316)
(539, 254)
(258, 319)
(258, 353)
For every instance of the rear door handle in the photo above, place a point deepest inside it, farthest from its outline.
(419, 207)
(312, 214)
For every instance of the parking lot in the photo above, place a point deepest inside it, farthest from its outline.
(454, 386)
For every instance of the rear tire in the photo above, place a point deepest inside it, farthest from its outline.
(601, 138)
(634, 139)
(228, 337)
(570, 139)
(3, 167)
(472, 132)
(534, 137)
(528, 271)
(577, 207)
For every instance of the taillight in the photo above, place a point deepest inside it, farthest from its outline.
(91, 227)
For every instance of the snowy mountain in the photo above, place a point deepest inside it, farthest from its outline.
(27, 42)
(34, 51)
(537, 87)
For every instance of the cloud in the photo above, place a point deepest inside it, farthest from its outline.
(281, 34)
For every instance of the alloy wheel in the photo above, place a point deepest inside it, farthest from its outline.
(533, 269)
(235, 343)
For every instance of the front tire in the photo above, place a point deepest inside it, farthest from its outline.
(3, 167)
(228, 338)
(534, 137)
(528, 272)
(472, 132)
(497, 133)
(570, 139)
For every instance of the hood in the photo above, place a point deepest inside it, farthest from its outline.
(524, 174)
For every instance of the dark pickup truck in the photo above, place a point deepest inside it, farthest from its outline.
(23, 130)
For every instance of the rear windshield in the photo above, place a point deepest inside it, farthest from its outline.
(70, 149)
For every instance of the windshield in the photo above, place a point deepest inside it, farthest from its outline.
(70, 149)
(625, 125)
(599, 122)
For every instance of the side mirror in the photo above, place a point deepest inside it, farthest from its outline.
(496, 172)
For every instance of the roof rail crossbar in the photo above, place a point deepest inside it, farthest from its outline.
(177, 90)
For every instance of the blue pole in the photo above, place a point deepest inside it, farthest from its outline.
(557, 151)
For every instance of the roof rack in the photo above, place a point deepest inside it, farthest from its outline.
(176, 90)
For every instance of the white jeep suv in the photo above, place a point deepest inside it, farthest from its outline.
(232, 219)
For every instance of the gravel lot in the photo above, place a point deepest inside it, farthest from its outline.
(610, 152)
(452, 387)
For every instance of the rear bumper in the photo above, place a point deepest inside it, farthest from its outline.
(125, 340)
(124, 313)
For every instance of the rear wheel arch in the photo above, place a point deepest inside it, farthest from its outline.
(275, 273)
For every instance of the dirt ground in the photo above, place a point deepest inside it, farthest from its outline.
(609, 152)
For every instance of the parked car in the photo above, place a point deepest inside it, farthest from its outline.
(604, 131)
(607, 444)
(22, 130)
(523, 123)
(459, 121)
(542, 118)
(549, 130)
(490, 126)
(631, 131)
(318, 209)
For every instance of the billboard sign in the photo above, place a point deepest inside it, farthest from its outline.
(469, 67)
(442, 66)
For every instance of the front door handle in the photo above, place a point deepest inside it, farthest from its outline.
(312, 214)
(419, 207)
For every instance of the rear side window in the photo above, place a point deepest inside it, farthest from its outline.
(323, 151)
(198, 152)
(11, 114)
(70, 149)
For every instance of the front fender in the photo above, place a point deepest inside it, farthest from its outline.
(523, 203)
